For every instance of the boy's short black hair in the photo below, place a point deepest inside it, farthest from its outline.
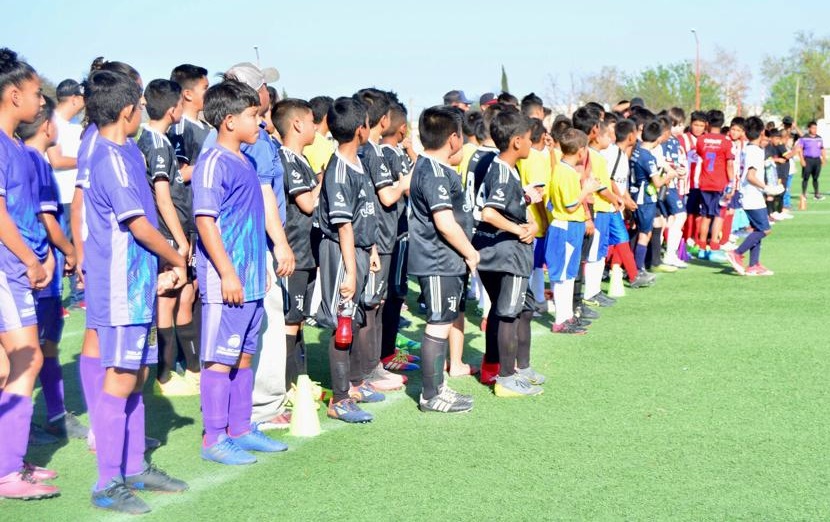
(530, 103)
(652, 130)
(345, 116)
(26, 131)
(468, 124)
(397, 117)
(585, 119)
(508, 99)
(812, 124)
(13, 71)
(698, 116)
(437, 124)
(187, 75)
(597, 108)
(572, 140)
(506, 126)
(678, 116)
(612, 117)
(107, 93)
(161, 96)
(491, 113)
(320, 107)
(537, 130)
(665, 122)
(754, 127)
(376, 102)
(100, 64)
(738, 121)
(286, 110)
(773, 133)
(624, 129)
(716, 118)
(560, 125)
(226, 98)
(640, 112)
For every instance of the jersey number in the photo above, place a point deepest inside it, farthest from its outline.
(710, 161)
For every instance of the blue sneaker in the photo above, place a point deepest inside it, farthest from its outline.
(255, 440)
(365, 392)
(118, 497)
(347, 411)
(225, 451)
(718, 256)
(704, 253)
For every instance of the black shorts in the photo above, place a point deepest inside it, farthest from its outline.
(509, 293)
(398, 284)
(377, 283)
(693, 201)
(297, 290)
(444, 297)
(332, 272)
(191, 267)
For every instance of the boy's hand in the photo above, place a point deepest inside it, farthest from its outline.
(404, 182)
(232, 291)
(166, 282)
(69, 264)
(472, 262)
(184, 251)
(348, 286)
(36, 274)
(374, 261)
(286, 262)
(589, 227)
(526, 235)
(533, 194)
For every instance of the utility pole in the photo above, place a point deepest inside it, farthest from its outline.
(697, 71)
(256, 50)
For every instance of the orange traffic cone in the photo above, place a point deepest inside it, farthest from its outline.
(802, 203)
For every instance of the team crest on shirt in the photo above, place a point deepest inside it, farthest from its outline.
(29, 299)
(340, 201)
(368, 210)
(442, 192)
(139, 344)
(235, 341)
(296, 175)
(499, 195)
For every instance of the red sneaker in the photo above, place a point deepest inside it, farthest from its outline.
(20, 486)
(38, 473)
(65, 313)
(489, 372)
(483, 325)
(737, 262)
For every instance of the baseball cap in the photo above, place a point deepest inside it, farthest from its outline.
(67, 88)
(456, 97)
(637, 102)
(253, 76)
(487, 99)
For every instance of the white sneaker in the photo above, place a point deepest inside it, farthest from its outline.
(785, 216)
(776, 216)
(729, 247)
(675, 262)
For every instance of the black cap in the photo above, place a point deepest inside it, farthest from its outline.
(68, 88)
(487, 99)
(637, 102)
(456, 97)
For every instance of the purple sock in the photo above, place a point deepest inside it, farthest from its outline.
(216, 391)
(109, 437)
(755, 254)
(134, 446)
(92, 382)
(51, 380)
(15, 419)
(751, 240)
(640, 255)
(241, 401)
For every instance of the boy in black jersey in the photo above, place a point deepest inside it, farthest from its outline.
(188, 135)
(388, 193)
(294, 121)
(348, 222)
(440, 250)
(174, 202)
(504, 239)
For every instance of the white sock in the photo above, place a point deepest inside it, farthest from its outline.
(537, 284)
(593, 277)
(675, 235)
(563, 296)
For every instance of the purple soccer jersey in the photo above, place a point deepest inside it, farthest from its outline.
(226, 188)
(121, 274)
(48, 201)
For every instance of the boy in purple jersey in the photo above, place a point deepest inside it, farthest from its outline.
(230, 217)
(38, 136)
(25, 265)
(121, 257)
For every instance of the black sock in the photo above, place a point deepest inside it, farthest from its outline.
(189, 343)
(523, 339)
(302, 360)
(491, 339)
(291, 370)
(507, 346)
(378, 334)
(433, 358)
(339, 368)
(656, 240)
(366, 341)
(391, 317)
(167, 353)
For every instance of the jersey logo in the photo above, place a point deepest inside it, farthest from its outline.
(235, 341)
(362, 193)
(368, 210)
(499, 195)
(442, 192)
(296, 175)
(159, 161)
(300, 301)
(340, 201)
(452, 301)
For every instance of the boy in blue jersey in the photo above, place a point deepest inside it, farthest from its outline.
(121, 261)
(229, 211)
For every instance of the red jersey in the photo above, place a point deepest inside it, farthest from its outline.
(714, 151)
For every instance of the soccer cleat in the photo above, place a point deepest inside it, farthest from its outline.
(664, 268)
(581, 322)
(401, 341)
(177, 386)
(66, 427)
(40, 437)
(118, 497)
(603, 300)
(194, 378)
(718, 256)
(255, 440)
(404, 323)
(737, 262)
(281, 421)
(819, 197)
(18, 485)
(531, 375)
(704, 253)
(347, 411)
(155, 479)
(65, 313)
(691, 248)
(447, 401)
(586, 313)
(568, 328)
(489, 372)
(591, 301)
(37, 473)
(515, 386)
(675, 262)
(399, 362)
(225, 451)
(382, 382)
(759, 270)
(150, 443)
(365, 392)
(642, 280)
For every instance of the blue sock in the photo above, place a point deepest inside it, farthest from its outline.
(751, 240)
(640, 255)
(755, 254)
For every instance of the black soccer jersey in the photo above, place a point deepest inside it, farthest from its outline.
(476, 171)
(347, 196)
(374, 164)
(399, 165)
(435, 186)
(187, 138)
(161, 164)
(502, 251)
(299, 178)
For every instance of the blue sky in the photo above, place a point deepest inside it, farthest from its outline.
(419, 49)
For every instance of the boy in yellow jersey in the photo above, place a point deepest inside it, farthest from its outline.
(567, 230)
(320, 151)
(472, 139)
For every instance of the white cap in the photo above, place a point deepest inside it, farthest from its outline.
(253, 76)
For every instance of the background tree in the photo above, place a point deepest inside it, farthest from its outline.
(504, 86)
(605, 86)
(665, 86)
(732, 78)
(808, 61)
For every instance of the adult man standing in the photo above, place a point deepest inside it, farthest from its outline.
(458, 99)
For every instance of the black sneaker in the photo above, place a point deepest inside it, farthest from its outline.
(583, 312)
(118, 497)
(599, 300)
(819, 197)
(447, 401)
(642, 280)
(40, 437)
(155, 479)
(150, 443)
(67, 427)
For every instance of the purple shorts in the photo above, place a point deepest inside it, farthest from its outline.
(17, 303)
(228, 331)
(128, 347)
(710, 203)
(49, 319)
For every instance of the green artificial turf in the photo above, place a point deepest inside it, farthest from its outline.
(702, 398)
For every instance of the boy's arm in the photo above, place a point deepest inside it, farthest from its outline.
(75, 224)
(345, 234)
(151, 239)
(232, 291)
(11, 239)
(167, 212)
(186, 171)
(59, 161)
(283, 254)
(450, 230)
(59, 240)
(306, 201)
(752, 178)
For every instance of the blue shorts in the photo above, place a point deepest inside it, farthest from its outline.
(564, 249)
(710, 203)
(599, 240)
(539, 252)
(758, 219)
(17, 303)
(672, 205)
(228, 331)
(128, 347)
(49, 319)
(617, 233)
(693, 202)
(644, 217)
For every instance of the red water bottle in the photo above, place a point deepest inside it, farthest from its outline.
(343, 334)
